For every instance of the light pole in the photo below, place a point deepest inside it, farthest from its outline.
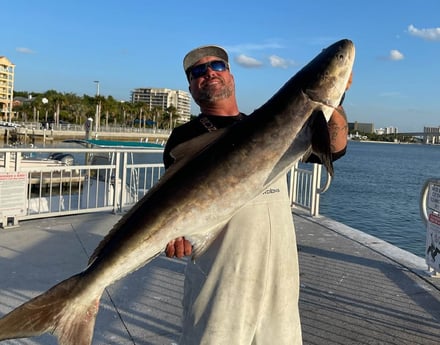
(98, 108)
(45, 101)
(97, 87)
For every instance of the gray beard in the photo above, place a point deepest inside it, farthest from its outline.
(209, 95)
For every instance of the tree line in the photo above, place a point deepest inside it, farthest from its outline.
(55, 107)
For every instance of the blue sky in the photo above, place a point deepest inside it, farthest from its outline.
(67, 45)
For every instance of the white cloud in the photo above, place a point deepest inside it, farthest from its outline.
(431, 34)
(24, 50)
(395, 55)
(247, 61)
(279, 62)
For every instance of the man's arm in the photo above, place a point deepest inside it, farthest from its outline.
(338, 125)
(178, 247)
(338, 130)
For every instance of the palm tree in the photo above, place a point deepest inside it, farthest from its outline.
(24, 109)
(74, 109)
(172, 113)
(140, 111)
(52, 105)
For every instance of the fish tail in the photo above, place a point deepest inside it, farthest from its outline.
(63, 310)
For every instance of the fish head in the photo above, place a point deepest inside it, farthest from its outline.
(321, 84)
(328, 75)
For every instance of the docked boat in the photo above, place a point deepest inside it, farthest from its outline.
(116, 143)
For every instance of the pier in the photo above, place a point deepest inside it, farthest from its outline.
(355, 288)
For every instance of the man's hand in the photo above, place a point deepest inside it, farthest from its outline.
(179, 247)
(338, 130)
(338, 125)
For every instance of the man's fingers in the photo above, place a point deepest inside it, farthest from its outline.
(169, 250)
(179, 247)
(188, 247)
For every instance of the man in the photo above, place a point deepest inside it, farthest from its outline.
(244, 289)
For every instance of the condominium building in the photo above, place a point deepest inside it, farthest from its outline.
(431, 135)
(164, 98)
(361, 127)
(6, 88)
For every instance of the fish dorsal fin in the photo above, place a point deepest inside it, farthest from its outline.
(191, 148)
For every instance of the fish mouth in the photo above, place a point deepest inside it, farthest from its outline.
(323, 102)
(326, 85)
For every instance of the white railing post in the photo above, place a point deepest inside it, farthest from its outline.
(314, 196)
(293, 184)
(305, 187)
(118, 191)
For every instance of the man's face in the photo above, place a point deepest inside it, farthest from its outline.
(213, 85)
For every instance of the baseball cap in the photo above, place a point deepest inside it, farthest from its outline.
(196, 54)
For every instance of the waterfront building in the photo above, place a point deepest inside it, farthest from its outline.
(366, 128)
(431, 135)
(387, 130)
(6, 88)
(391, 130)
(163, 98)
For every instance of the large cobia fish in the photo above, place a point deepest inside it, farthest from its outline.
(213, 176)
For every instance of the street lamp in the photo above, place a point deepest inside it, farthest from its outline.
(97, 87)
(45, 101)
(98, 108)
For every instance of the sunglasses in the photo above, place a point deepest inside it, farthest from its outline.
(200, 70)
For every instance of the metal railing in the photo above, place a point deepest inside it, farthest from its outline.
(305, 187)
(62, 181)
(430, 214)
(45, 183)
(423, 204)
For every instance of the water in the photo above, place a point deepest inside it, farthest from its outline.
(377, 187)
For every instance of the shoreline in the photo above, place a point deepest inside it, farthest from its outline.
(385, 142)
(26, 136)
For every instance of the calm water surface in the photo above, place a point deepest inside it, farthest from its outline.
(376, 189)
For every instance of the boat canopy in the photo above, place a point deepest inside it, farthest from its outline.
(114, 143)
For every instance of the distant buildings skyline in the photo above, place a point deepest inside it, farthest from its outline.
(162, 98)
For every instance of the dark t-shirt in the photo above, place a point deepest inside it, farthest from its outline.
(197, 127)
(194, 128)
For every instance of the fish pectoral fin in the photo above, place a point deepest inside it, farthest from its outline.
(200, 246)
(56, 312)
(307, 154)
(202, 240)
